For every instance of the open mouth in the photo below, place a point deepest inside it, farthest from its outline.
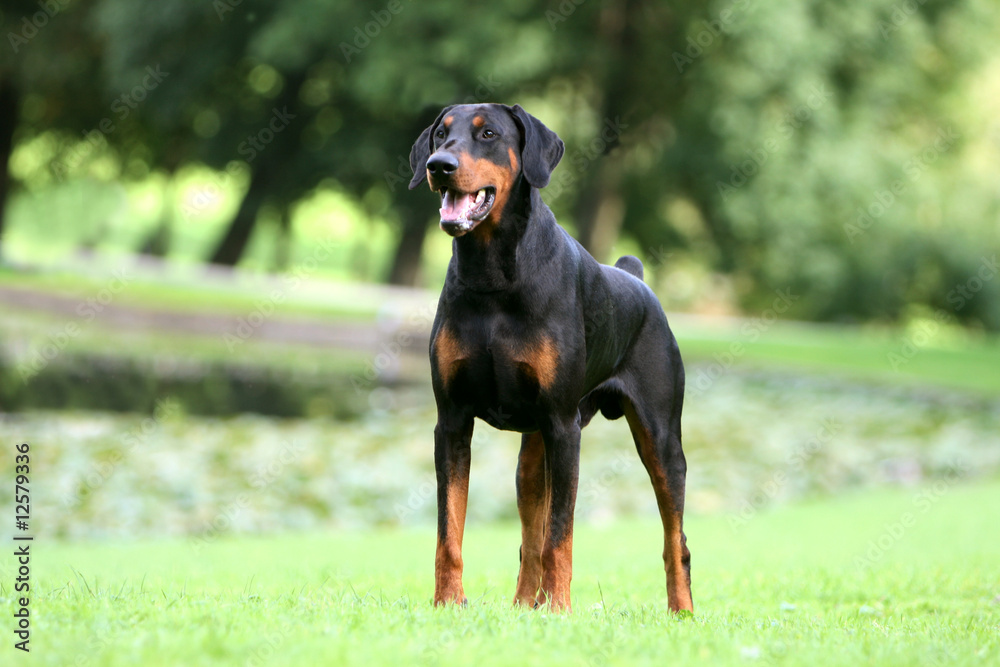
(461, 211)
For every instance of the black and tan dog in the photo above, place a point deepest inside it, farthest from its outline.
(533, 335)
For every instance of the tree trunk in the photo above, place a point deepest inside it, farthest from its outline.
(406, 262)
(268, 177)
(230, 249)
(157, 242)
(283, 242)
(8, 123)
(600, 210)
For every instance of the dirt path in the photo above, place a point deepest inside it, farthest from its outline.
(275, 328)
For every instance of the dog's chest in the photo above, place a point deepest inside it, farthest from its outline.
(497, 366)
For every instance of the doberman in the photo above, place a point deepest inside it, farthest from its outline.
(533, 335)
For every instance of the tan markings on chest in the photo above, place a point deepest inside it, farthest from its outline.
(448, 354)
(540, 360)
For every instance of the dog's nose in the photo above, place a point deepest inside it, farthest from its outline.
(442, 164)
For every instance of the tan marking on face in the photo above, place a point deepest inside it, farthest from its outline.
(478, 121)
(448, 121)
(512, 154)
(474, 174)
(448, 354)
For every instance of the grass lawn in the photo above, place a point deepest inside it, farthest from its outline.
(953, 359)
(904, 576)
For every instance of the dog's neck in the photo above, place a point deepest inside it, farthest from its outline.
(489, 262)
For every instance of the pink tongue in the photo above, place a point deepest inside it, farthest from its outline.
(456, 208)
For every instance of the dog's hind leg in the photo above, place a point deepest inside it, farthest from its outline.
(658, 438)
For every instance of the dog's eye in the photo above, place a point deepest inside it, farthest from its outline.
(489, 134)
(439, 134)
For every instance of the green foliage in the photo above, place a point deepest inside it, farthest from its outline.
(837, 156)
(753, 442)
(845, 151)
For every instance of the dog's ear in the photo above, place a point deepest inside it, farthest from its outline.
(422, 150)
(542, 148)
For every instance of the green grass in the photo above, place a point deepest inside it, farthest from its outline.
(955, 359)
(785, 588)
(188, 289)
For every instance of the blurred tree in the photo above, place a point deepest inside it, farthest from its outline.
(831, 142)
(267, 86)
(9, 105)
(49, 66)
(794, 145)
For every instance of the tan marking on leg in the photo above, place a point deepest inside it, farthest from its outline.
(674, 547)
(533, 507)
(557, 566)
(448, 562)
(452, 504)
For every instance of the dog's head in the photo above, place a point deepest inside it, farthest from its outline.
(473, 156)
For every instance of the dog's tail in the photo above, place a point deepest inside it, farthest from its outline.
(630, 264)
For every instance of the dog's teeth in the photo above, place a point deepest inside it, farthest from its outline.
(481, 196)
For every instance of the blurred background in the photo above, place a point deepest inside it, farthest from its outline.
(216, 287)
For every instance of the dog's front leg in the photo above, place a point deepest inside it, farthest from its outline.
(452, 456)
(562, 459)
(533, 507)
